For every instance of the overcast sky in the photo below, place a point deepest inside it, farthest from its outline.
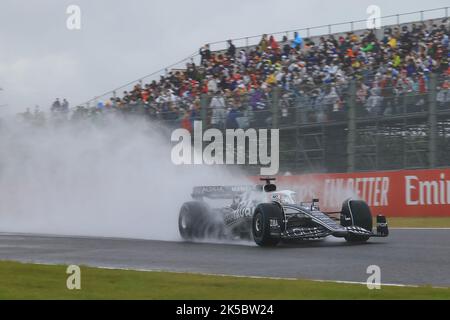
(120, 41)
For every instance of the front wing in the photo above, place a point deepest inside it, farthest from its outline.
(325, 226)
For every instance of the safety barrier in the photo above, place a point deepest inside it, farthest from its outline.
(405, 193)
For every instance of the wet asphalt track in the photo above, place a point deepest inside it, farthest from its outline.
(406, 257)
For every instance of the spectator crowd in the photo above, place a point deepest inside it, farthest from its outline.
(311, 80)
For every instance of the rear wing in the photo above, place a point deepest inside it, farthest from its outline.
(222, 192)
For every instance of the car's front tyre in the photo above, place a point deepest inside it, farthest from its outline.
(261, 224)
(356, 213)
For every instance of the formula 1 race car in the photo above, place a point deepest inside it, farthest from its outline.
(270, 216)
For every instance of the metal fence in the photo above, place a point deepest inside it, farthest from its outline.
(331, 128)
(389, 128)
(336, 28)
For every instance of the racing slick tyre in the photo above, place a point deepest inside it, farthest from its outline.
(356, 213)
(196, 222)
(261, 227)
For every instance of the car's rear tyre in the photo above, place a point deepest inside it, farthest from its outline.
(356, 213)
(261, 224)
(196, 222)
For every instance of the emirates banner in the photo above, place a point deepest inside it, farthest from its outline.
(412, 193)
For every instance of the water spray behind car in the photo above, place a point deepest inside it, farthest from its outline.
(103, 177)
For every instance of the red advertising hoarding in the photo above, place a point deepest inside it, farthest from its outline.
(413, 193)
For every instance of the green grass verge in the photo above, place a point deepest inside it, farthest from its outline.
(28, 281)
(426, 222)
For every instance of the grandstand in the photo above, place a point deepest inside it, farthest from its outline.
(346, 100)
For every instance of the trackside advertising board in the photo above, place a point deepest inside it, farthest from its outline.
(412, 193)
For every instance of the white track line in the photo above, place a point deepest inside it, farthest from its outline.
(381, 284)
(274, 278)
(384, 284)
(420, 229)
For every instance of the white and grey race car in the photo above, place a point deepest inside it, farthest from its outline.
(270, 216)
